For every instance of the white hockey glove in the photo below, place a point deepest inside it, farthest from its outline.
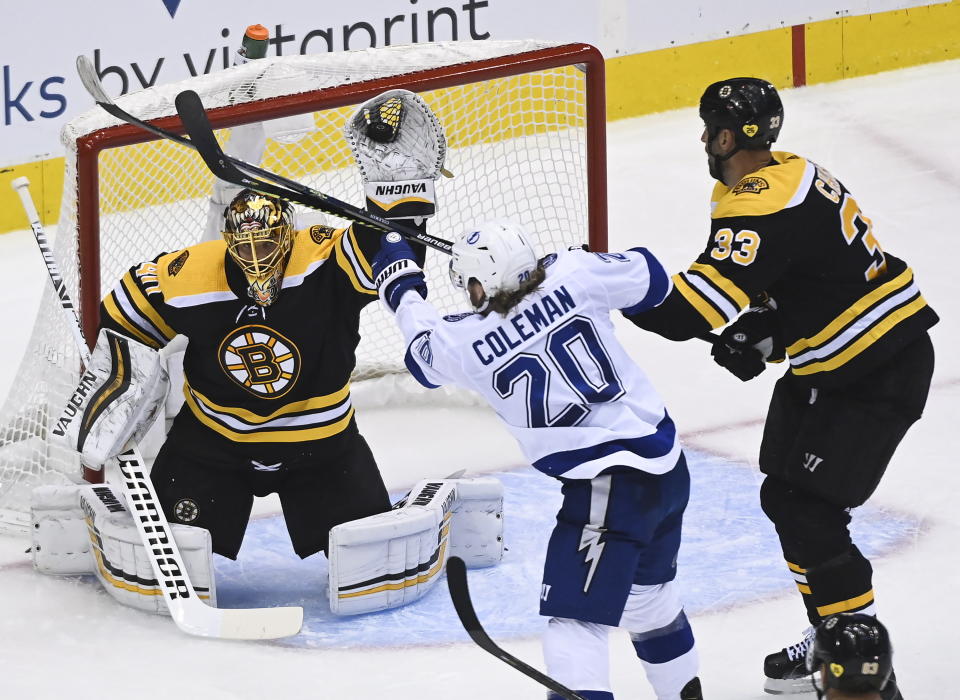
(399, 145)
(117, 399)
(88, 529)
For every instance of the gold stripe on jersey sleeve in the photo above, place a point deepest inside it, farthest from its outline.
(355, 245)
(311, 404)
(857, 603)
(728, 287)
(764, 191)
(110, 306)
(343, 260)
(850, 314)
(864, 341)
(697, 302)
(795, 568)
(145, 307)
(317, 433)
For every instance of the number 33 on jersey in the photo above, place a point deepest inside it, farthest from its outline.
(793, 232)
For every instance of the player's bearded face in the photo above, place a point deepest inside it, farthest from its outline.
(713, 149)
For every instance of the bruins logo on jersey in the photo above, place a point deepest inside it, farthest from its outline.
(261, 361)
(177, 263)
(751, 185)
(319, 233)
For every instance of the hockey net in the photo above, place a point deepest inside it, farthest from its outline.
(524, 122)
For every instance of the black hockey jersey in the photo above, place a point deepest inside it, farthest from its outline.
(793, 232)
(265, 380)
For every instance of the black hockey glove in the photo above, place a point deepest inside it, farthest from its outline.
(746, 345)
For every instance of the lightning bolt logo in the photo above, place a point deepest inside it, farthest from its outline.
(590, 541)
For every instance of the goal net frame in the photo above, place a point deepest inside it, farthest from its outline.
(28, 456)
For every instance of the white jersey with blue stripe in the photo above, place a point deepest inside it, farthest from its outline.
(552, 369)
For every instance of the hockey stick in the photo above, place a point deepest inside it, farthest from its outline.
(190, 614)
(228, 168)
(194, 117)
(460, 595)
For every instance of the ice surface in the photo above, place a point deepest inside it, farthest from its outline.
(890, 139)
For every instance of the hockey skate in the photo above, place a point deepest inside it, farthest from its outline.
(692, 691)
(786, 670)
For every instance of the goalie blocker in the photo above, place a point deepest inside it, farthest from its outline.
(117, 400)
(391, 559)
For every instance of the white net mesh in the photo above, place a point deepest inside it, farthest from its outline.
(517, 148)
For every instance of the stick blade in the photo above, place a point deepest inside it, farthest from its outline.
(201, 620)
(460, 595)
(91, 83)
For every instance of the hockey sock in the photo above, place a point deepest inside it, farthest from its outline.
(800, 577)
(843, 584)
(588, 694)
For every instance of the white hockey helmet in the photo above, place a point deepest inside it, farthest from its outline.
(496, 253)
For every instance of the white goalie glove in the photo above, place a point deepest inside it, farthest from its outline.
(399, 146)
(117, 399)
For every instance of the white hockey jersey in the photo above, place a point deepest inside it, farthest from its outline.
(552, 369)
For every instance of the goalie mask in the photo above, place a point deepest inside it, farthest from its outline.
(497, 254)
(259, 234)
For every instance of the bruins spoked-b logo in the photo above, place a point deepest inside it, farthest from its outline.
(260, 360)
(186, 511)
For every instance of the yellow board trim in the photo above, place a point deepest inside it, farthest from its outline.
(697, 302)
(654, 81)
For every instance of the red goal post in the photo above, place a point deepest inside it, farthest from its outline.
(525, 124)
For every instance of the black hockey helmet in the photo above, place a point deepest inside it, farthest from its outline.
(855, 651)
(749, 107)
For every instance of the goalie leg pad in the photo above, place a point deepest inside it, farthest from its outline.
(88, 529)
(117, 399)
(387, 560)
(476, 532)
(391, 559)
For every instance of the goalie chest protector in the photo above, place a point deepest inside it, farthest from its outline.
(257, 379)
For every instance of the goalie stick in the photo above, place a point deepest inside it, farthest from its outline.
(460, 595)
(230, 169)
(190, 614)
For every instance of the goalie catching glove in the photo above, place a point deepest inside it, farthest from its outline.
(117, 399)
(399, 146)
